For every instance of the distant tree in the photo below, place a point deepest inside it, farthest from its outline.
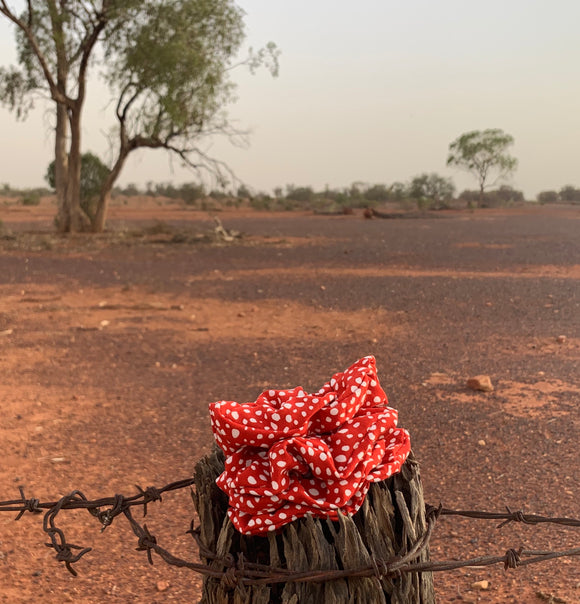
(503, 196)
(167, 64)
(548, 197)
(131, 190)
(399, 191)
(377, 193)
(93, 174)
(484, 154)
(338, 196)
(356, 192)
(244, 192)
(569, 194)
(470, 197)
(507, 194)
(219, 194)
(302, 194)
(190, 192)
(433, 187)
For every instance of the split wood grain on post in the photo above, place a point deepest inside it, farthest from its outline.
(390, 523)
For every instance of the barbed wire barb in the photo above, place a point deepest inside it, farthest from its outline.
(240, 570)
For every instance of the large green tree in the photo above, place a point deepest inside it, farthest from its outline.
(484, 153)
(167, 65)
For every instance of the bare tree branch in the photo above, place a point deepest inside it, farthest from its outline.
(87, 45)
(56, 94)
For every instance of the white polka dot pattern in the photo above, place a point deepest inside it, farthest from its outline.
(290, 454)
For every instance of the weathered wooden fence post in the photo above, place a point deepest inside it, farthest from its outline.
(390, 521)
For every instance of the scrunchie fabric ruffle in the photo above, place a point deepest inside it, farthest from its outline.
(290, 453)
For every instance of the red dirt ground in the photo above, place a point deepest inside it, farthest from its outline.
(111, 347)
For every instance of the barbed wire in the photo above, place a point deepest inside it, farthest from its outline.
(240, 570)
(78, 501)
(510, 516)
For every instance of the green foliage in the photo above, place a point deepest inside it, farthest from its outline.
(31, 198)
(569, 194)
(431, 190)
(14, 90)
(501, 197)
(167, 64)
(548, 197)
(243, 192)
(484, 154)
(423, 203)
(504, 196)
(399, 191)
(93, 174)
(8, 191)
(356, 193)
(508, 195)
(167, 190)
(169, 67)
(353, 196)
(302, 194)
(339, 196)
(191, 192)
(261, 203)
(131, 190)
(219, 195)
(470, 197)
(377, 193)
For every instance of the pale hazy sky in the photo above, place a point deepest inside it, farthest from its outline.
(372, 91)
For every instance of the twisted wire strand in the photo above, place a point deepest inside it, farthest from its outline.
(238, 570)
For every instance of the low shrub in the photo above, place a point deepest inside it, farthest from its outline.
(261, 203)
(32, 198)
(503, 196)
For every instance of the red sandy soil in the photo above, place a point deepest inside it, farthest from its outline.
(111, 347)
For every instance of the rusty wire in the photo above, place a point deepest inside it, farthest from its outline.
(510, 516)
(239, 570)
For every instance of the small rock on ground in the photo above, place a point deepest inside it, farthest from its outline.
(480, 382)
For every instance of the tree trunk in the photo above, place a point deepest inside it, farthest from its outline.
(64, 164)
(78, 219)
(391, 519)
(481, 195)
(100, 218)
(61, 169)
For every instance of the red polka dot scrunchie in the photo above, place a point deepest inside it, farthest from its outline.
(290, 453)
